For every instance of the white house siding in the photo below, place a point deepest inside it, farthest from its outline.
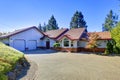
(52, 41)
(82, 44)
(74, 43)
(102, 43)
(31, 34)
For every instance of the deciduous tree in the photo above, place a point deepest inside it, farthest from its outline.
(92, 42)
(115, 33)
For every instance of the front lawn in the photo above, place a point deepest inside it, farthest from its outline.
(8, 59)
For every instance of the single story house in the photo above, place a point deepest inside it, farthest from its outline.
(70, 40)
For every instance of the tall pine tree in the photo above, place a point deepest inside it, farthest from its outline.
(52, 24)
(78, 21)
(44, 27)
(110, 21)
(40, 27)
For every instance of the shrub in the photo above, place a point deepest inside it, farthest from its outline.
(106, 52)
(3, 77)
(56, 45)
(116, 50)
(109, 48)
(5, 67)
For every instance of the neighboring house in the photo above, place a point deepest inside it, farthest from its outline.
(70, 40)
(51, 37)
(23, 39)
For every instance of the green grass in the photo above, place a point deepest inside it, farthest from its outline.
(8, 58)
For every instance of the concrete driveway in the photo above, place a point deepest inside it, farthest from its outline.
(74, 66)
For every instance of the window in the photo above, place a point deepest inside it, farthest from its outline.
(78, 43)
(71, 43)
(66, 42)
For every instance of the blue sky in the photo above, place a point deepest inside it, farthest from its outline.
(16, 14)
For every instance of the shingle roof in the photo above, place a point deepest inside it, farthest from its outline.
(74, 34)
(103, 35)
(55, 33)
(19, 31)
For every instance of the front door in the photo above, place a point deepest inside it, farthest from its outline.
(47, 44)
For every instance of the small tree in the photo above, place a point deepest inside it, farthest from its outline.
(109, 48)
(92, 43)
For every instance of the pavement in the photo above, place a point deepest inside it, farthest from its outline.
(53, 65)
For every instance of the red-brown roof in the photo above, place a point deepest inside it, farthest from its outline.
(103, 35)
(74, 34)
(54, 34)
(19, 31)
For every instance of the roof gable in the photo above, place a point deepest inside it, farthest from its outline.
(19, 31)
(54, 34)
(103, 35)
(74, 34)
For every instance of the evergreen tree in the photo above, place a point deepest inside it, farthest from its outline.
(44, 27)
(78, 21)
(40, 27)
(52, 24)
(110, 21)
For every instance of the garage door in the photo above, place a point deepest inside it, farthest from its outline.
(19, 45)
(32, 44)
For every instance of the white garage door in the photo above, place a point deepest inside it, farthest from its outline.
(32, 44)
(19, 45)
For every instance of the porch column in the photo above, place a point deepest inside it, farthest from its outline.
(69, 43)
(75, 44)
(62, 44)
